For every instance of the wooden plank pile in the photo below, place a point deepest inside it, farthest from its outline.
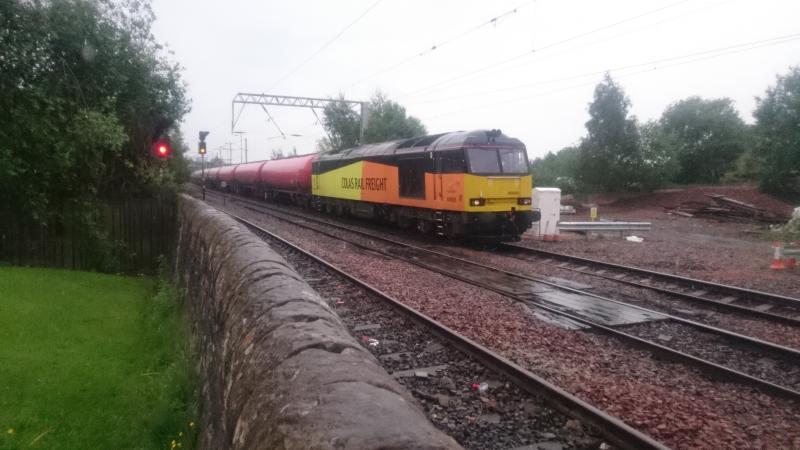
(725, 209)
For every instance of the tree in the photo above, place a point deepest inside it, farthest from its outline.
(659, 165)
(342, 125)
(708, 137)
(610, 154)
(387, 121)
(777, 133)
(557, 169)
(85, 91)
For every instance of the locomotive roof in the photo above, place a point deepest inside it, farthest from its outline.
(433, 142)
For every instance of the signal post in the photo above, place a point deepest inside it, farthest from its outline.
(201, 148)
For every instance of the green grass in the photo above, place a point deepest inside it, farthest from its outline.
(90, 361)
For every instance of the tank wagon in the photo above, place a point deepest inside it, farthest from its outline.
(474, 185)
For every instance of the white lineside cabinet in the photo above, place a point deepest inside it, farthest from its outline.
(548, 201)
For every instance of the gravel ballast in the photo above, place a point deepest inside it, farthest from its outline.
(445, 382)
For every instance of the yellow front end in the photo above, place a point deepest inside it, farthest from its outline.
(484, 193)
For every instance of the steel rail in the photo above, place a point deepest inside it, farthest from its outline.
(687, 296)
(714, 368)
(612, 428)
(724, 288)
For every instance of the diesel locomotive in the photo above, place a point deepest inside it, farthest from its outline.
(467, 184)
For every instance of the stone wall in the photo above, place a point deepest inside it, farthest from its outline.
(277, 368)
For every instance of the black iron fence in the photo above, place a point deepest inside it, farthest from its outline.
(130, 236)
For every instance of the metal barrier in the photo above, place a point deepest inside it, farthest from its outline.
(604, 226)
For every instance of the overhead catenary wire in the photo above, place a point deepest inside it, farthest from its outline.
(738, 49)
(646, 26)
(436, 46)
(325, 45)
(612, 69)
(496, 65)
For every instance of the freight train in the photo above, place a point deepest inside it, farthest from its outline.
(473, 185)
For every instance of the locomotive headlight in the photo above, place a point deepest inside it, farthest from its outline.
(477, 201)
(524, 201)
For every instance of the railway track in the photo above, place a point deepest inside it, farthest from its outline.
(459, 268)
(775, 307)
(610, 427)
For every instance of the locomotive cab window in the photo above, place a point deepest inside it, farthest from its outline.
(483, 160)
(513, 160)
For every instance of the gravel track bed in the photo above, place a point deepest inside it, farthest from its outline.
(758, 327)
(712, 347)
(712, 257)
(718, 349)
(501, 417)
(673, 403)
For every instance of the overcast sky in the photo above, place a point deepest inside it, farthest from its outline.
(530, 73)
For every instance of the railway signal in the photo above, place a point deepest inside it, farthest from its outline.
(162, 149)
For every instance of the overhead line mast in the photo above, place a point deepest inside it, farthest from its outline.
(263, 100)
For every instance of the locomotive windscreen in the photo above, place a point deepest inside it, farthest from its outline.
(495, 161)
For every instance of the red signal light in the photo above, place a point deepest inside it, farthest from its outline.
(161, 149)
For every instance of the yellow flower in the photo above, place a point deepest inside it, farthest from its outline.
(180, 434)
(173, 444)
(11, 431)
(191, 424)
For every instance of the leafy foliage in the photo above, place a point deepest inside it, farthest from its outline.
(86, 91)
(777, 134)
(387, 121)
(695, 141)
(708, 137)
(610, 155)
(659, 165)
(557, 169)
(342, 124)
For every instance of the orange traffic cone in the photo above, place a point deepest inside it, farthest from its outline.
(777, 256)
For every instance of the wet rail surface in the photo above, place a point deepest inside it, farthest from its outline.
(610, 427)
(775, 307)
(553, 307)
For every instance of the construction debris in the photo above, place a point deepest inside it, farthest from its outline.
(725, 209)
